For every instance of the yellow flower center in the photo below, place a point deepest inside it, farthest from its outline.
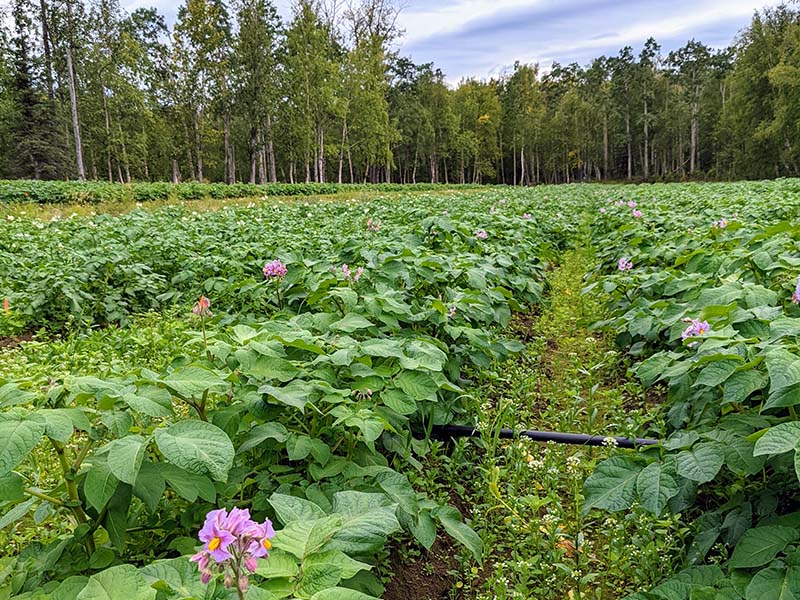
(267, 544)
(214, 543)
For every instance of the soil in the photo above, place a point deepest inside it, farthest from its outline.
(15, 340)
(425, 578)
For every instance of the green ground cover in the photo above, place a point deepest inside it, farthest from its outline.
(308, 397)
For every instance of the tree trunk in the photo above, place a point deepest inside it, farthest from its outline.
(226, 136)
(108, 131)
(628, 138)
(273, 176)
(252, 148)
(189, 157)
(522, 165)
(48, 59)
(321, 153)
(514, 162)
(646, 144)
(341, 149)
(695, 131)
(176, 174)
(416, 156)
(73, 99)
(605, 145)
(198, 143)
(125, 162)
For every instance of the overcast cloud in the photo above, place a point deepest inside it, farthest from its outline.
(481, 38)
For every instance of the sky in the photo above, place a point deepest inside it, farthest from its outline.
(483, 38)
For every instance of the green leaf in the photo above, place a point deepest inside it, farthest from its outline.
(125, 457)
(701, 463)
(778, 439)
(450, 519)
(11, 395)
(655, 487)
(784, 326)
(118, 422)
(116, 519)
(301, 538)
(272, 367)
(122, 581)
(296, 393)
(261, 433)
(399, 489)
(17, 439)
(760, 545)
(418, 385)
(787, 396)
(193, 380)
(383, 347)
(350, 323)
(198, 447)
(99, 485)
(717, 372)
(339, 593)
(178, 575)
(651, 369)
(740, 385)
(187, 485)
(11, 488)
(16, 513)
(150, 485)
(290, 508)
(153, 402)
(612, 486)
(783, 368)
(57, 424)
(775, 583)
(279, 564)
(368, 520)
(69, 588)
(398, 401)
(324, 570)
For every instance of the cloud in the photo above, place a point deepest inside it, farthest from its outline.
(483, 38)
(485, 44)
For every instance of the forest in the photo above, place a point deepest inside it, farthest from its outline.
(233, 93)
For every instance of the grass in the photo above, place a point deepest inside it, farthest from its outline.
(525, 497)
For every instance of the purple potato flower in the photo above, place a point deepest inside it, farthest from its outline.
(796, 294)
(275, 270)
(624, 264)
(481, 234)
(233, 543)
(696, 328)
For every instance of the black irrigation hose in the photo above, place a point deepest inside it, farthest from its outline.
(581, 439)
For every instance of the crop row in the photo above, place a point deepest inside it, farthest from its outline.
(93, 192)
(333, 337)
(703, 295)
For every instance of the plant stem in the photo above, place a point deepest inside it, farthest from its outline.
(72, 491)
(43, 496)
(81, 456)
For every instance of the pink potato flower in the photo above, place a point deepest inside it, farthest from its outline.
(624, 264)
(232, 545)
(481, 234)
(695, 328)
(275, 270)
(796, 293)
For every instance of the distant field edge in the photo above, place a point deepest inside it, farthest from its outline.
(96, 192)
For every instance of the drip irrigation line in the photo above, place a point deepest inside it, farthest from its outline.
(580, 439)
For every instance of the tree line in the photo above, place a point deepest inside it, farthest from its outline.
(232, 93)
